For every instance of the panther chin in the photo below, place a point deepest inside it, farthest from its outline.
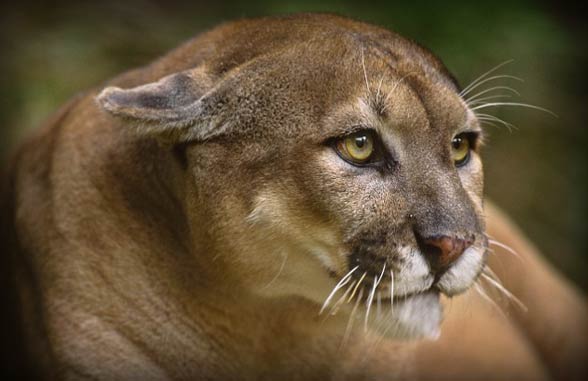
(414, 316)
(416, 288)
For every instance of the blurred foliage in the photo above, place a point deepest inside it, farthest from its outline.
(537, 172)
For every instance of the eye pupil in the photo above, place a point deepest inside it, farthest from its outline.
(460, 147)
(360, 141)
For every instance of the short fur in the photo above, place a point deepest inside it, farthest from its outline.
(188, 221)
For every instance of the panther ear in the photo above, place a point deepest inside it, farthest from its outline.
(174, 108)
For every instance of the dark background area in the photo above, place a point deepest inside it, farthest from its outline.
(537, 172)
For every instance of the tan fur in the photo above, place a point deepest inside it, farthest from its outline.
(188, 221)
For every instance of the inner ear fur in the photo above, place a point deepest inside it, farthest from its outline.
(177, 107)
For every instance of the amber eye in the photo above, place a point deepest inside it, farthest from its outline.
(356, 148)
(460, 149)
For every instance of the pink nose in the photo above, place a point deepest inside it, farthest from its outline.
(443, 250)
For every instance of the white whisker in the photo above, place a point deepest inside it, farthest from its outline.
(351, 317)
(486, 269)
(507, 88)
(391, 290)
(285, 253)
(492, 118)
(505, 247)
(332, 294)
(365, 73)
(356, 287)
(492, 121)
(379, 88)
(385, 102)
(387, 317)
(379, 305)
(483, 100)
(388, 323)
(493, 78)
(487, 122)
(341, 283)
(369, 304)
(485, 296)
(491, 273)
(488, 272)
(377, 281)
(382, 273)
(516, 104)
(484, 75)
(340, 301)
(501, 288)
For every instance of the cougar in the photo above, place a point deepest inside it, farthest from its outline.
(296, 197)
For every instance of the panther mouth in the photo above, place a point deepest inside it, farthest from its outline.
(387, 296)
(399, 295)
(409, 316)
(413, 310)
(387, 285)
(409, 272)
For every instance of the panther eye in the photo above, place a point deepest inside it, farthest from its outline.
(357, 148)
(460, 149)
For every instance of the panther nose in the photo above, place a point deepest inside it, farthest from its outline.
(442, 251)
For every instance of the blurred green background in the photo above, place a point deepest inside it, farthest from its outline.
(537, 172)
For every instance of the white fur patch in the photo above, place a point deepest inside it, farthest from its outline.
(415, 276)
(418, 316)
(463, 272)
(311, 249)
